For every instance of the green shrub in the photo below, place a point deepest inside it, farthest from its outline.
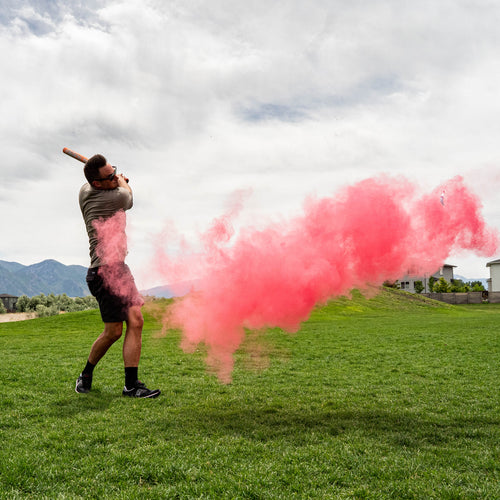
(22, 304)
(48, 305)
(441, 286)
(432, 280)
(45, 311)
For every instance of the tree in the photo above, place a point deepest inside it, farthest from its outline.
(22, 304)
(51, 300)
(35, 301)
(442, 286)
(432, 280)
(458, 286)
(476, 286)
(2, 308)
(47, 305)
(64, 302)
(419, 286)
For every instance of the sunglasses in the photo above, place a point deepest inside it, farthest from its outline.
(110, 177)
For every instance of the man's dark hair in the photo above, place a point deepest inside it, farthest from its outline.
(91, 168)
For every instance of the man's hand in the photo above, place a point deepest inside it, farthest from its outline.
(123, 182)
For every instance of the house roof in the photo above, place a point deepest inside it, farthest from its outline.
(7, 296)
(493, 262)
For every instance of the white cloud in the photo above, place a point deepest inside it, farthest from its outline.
(197, 99)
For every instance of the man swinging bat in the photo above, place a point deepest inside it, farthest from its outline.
(105, 194)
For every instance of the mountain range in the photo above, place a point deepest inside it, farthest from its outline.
(173, 290)
(48, 276)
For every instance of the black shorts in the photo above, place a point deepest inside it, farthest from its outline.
(114, 306)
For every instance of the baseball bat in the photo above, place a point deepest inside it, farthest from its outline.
(77, 156)
(74, 155)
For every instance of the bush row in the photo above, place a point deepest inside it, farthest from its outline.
(50, 305)
(442, 286)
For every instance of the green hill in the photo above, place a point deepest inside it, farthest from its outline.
(380, 299)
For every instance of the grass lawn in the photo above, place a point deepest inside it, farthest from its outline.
(392, 397)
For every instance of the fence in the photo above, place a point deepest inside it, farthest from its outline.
(464, 297)
(494, 297)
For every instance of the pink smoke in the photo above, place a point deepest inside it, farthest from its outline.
(373, 231)
(112, 238)
(112, 250)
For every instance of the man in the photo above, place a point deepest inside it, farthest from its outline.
(106, 195)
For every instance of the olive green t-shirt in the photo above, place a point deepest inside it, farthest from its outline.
(100, 203)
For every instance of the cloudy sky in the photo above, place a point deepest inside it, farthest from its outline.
(196, 101)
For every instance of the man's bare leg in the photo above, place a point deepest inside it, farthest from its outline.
(131, 355)
(112, 332)
(133, 337)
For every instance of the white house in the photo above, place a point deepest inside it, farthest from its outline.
(494, 280)
(407, 283)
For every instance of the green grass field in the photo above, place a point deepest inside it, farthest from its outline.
(392, 397)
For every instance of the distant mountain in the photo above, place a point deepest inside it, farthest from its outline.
(50, 276)
(169, 291)
(45, 277)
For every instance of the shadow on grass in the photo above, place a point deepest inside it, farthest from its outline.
(80, 403)
(300, 426)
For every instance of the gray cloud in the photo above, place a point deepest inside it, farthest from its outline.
(196, 99)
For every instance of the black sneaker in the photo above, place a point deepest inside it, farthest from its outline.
(141, 391)
(83, 384)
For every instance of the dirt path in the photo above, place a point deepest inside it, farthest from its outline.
(16, 316)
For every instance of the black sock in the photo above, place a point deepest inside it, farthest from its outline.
(88, 370)
(130, 376)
